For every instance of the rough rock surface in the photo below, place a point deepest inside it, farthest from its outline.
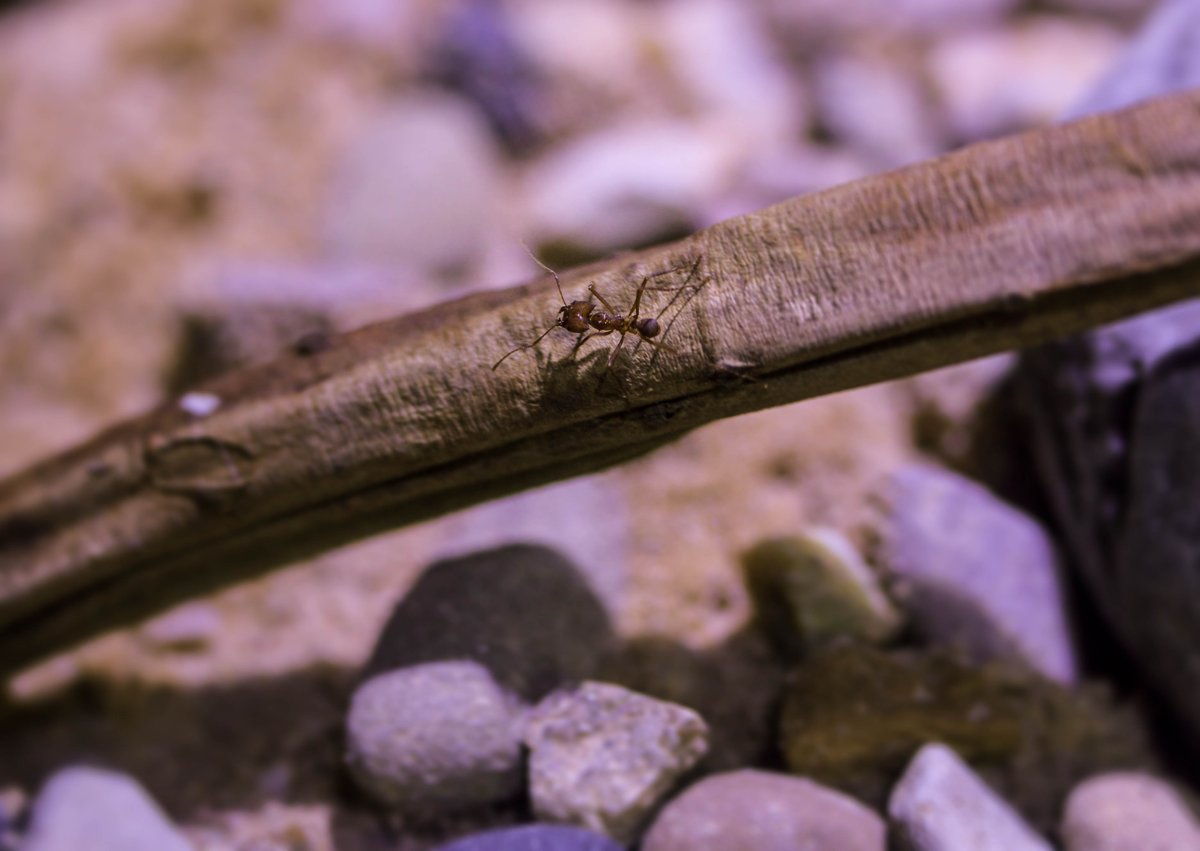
(973, 571)
(852, 717)
(941, 805)
(601, 756)
(753, 810)
(1118, 811)
(98, 810)
(435, 738)
(521, 611)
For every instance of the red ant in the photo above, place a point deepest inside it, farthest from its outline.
(584, 318)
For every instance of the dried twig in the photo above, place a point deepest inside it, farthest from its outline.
(994, 247)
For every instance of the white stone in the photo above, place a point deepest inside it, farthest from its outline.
(602, 756)
(940, 804)
(89, 808)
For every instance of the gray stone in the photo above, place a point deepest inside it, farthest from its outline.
(1005, 79)
(98, 810)
(973, 571)
(435, 738)
(1126, 810)
(522, 611)
(941, 805)
(628, 184)
(1161, 59)
(874, 103)
(753, 810)
(534, 837)
(563, 516)
(601, 756)
(814, 588)
(420, 187)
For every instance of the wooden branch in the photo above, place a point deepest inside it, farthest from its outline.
(996, 246)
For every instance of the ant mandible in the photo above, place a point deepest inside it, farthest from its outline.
(585, 318)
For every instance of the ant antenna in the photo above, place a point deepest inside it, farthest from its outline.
(535, 259)
(522, 348)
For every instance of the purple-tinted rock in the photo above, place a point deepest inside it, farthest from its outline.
(940, 804)
(534, 837)
(521, 611)
(1126, 810)
(973, 571)
(753, 810)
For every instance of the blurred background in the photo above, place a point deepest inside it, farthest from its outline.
(188, 185)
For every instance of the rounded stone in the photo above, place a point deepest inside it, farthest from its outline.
(1120, 810)
(754, 810)
(435, 738)
(101, 811)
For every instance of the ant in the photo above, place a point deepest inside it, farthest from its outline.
(585, 318)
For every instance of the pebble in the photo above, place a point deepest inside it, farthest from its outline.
(1160, 59)
(993, 82)
(972, 571)
(522, 611)
(725, 70)
(874, 103)
(534, 837)
(1126, 810)
(814, 588)
(940, 804)
(853, 715)
(817, 22)
(435, 738)
(602, 757)
(420, 187)
(631, 183)
(752, 810)
(99, 810)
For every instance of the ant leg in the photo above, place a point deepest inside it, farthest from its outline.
(596, 295)
(612, 357)
(584, 337)
(657, 344)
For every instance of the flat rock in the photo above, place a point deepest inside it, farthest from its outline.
(98, 810)
(942, 805)
(534, 837)
(521, 611)
(853, 716)
(1126, 810)
(973, 571)
(814, 588)
(753, 810)
(434, 738)
(601, 756)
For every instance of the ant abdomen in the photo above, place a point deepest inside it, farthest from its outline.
(648, 327)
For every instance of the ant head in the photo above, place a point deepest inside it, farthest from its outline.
(574, 316)
(648, 327)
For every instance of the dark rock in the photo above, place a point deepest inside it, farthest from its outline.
(940, 804)
(1115, 423)
(854, 716)
(435, 738)
(521, 611)
(752, 810)
(534, 837)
